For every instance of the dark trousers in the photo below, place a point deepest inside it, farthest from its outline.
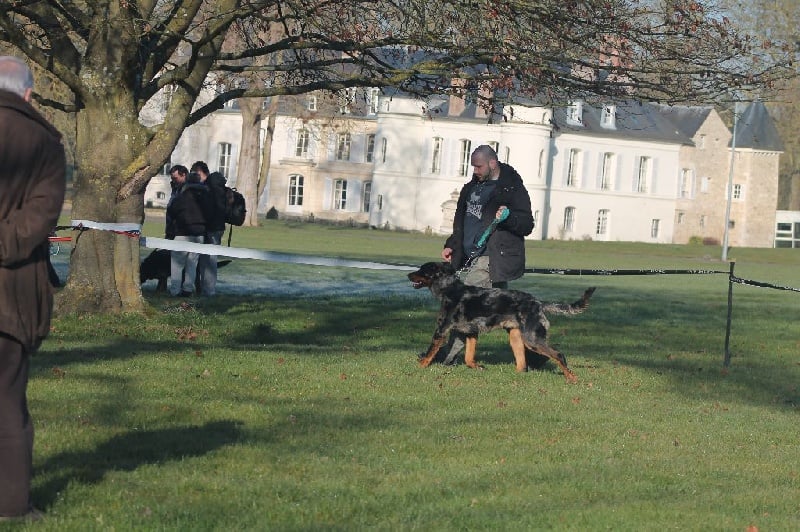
(16, 429)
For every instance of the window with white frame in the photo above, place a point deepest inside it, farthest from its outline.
(383, 149)
(311, 103)
(702, 220)
(608, 117)
(540, 171)
(369, 156)
(366, 194)
(573, 162)
(436, 159)
(340, 194)
(738, 191)
(602, 222)
(569, 218)
(165, 169)
(466, 153)
(607, 171)
(680, 217)
(301, 146)
(161, 195)
(343, 147)
(536, 218)
(705, 183)
(494, 145)
(507, 156)
(346, 99)
(642, 174)
(686, 183)
(374, 100)
(225, 158)
(655, 223)
(575, 113)
(295, 190)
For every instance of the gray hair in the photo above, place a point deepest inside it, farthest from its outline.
(15, 75)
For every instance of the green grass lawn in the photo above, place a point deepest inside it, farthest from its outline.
(305, 409)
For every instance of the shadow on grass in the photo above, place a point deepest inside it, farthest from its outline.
(129, 451)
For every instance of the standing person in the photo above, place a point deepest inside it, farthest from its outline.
(32, 186)
(188, 211)
(494, 187)
(177, 175)
(207, 269)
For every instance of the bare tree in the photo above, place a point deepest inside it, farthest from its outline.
(115, 56)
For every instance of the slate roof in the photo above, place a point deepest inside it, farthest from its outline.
(756, 129)
(634, 120)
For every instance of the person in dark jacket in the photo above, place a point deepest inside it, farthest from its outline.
(189, 212)
(32, 186)
(207, 267)
(495, 186)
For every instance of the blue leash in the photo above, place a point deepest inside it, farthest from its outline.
(484, 237)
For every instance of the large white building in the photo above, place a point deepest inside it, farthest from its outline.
(623, 171)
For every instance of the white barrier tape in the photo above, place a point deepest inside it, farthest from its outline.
(246, 253)
(103, 226)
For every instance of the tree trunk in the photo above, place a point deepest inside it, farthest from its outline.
(266, 150)
(249, 156)
(104, 266)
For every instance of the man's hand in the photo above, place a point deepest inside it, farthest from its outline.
(447, 254)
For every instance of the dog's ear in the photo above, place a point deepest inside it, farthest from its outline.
(447, 268)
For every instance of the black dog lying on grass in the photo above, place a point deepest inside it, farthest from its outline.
(157, 266)
(471, 310)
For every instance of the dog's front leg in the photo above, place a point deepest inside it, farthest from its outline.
(470, 348)
(436, 344)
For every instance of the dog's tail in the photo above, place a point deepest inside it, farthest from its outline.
(570, 308)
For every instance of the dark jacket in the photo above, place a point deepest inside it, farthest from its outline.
(189, 211)
(32, 184)
(216, 186)
(506, 246)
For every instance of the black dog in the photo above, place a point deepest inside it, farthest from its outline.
(471, 310)
(157, 266)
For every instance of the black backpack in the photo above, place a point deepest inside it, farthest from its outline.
(235, 210)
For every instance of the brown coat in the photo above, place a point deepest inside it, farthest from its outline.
(32, 183)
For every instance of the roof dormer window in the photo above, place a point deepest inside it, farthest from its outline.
(608, 116)
(575, 113)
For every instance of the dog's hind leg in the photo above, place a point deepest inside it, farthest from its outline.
(558, 358)
(518, 348)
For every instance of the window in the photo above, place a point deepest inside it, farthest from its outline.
(738, 191)
(575, 113)
(436, 162)
(295, 190)
(374, 100)
(165, 169)
(365, 196)
(343, 147)
(311, 103)
(340, 194)
(569, 218)
(536, 218)
(606, 172)
(161, 195)
(225, 157)
(572, 167)
(654, 227)
(608, 117)
(301, 149)
(494, 145)
(466, 153)
(642, 174)
(686, 183)
(540, 172)
(346, 98)
(602, 222)
(383, 149)
(508, 155)
(681, 216)
(701, 142)
(702, 220)
(705, 182)
(369, 156)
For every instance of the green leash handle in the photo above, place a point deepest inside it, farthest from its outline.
(485, 236)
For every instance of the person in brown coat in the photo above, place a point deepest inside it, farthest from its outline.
(32, 184)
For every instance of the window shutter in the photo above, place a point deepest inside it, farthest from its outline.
(353, 195)
(327, 195)
(653, 187)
